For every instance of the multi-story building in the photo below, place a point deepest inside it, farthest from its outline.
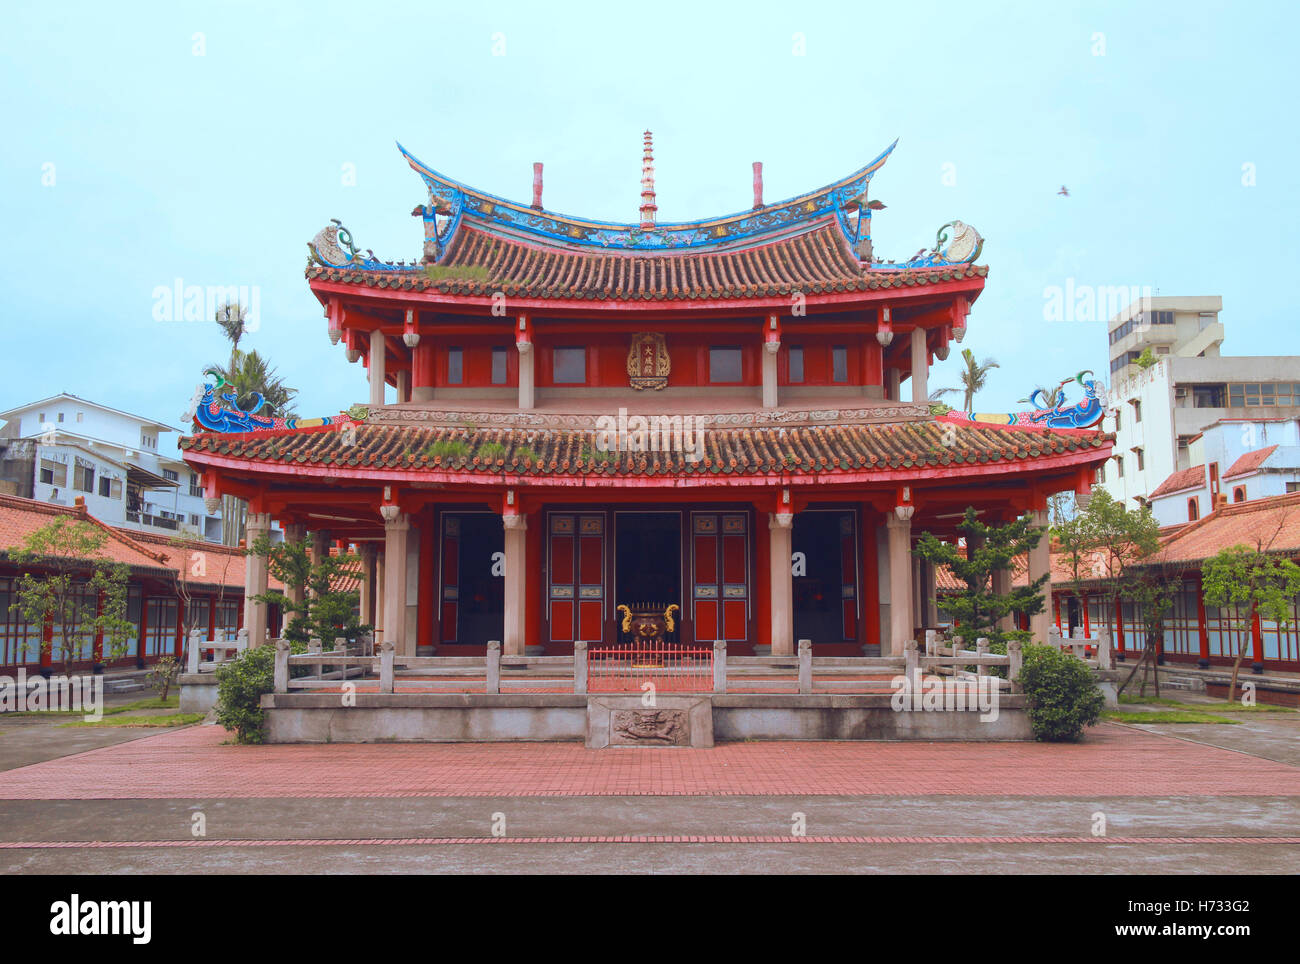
(1160, 409)
(1234, 460)
(62, 447)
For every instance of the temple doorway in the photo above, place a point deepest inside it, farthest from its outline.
(473, 578)
(648, 563)
(824, 580)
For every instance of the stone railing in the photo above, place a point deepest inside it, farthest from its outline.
(494, 673)
(223, 651)
(951, 657)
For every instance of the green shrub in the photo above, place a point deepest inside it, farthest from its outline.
(1060, 694)
(240, 686)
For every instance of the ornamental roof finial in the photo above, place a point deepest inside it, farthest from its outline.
(648, 206)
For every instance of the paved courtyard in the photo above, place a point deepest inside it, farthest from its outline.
(1170, 805)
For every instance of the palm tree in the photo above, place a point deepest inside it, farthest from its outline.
(252, 376)
(973, 377)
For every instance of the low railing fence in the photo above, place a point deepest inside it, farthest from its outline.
(668, 667)
(223, 651)
(951, 657)
(636, 667)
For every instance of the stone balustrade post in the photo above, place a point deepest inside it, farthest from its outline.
(981, 649)
(1016, 661)
(387, 651)
(805, 666)
(1103, 651)
(494, 666)
(719, 666)
(281, 673)
(580, 667)
(192, 657)
(912, 662)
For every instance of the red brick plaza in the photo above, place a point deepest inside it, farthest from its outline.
(195, 762)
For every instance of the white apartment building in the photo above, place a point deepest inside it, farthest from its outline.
(123, 465)
(1159, 410)
(1234, 460)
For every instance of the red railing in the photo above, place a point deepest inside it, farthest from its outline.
(669, 667)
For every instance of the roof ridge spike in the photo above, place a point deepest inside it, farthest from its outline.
(648, 206)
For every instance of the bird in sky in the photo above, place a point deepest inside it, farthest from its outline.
(1064, 191)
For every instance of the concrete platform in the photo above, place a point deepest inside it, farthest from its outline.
(532, 717)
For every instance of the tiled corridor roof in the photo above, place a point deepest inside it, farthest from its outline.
(573, 452)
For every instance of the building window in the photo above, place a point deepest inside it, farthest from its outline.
(1137, 411)
(1101, 474)
(724, 364)
(570, 366)
(1119, 466)
(455, 366)
(196, 489)
(194, 521)
(1119, 421)
(498, 366)
(60, 416)
(1293, 486)
(171, 475)
(839, 364)
(1238, 493)
(1138, 453)
(54, 473)
(1193, 510)
(83, 477)
(796, 364)
(1207, 396)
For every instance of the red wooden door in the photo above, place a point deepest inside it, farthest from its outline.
(576, 590)
(720, 576)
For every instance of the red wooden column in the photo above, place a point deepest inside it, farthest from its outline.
(1119, 625)
(869, 590)
(873, 368)
(212, 618)
(425, 615)
(97, 653)
(1202, 630)
(1056, 611)
(47, 644)
(1256, 637)
(1087, 623)
(762, 579)
(180, 626)
(533, 553)
(144, 627)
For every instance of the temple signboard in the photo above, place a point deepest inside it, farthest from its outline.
(648, 364)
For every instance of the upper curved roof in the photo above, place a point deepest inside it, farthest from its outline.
(454, 200)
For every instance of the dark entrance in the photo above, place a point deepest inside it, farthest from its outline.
(648, 563)
(824, 577)
(473, 578)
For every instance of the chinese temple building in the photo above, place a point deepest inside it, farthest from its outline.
(725, 419)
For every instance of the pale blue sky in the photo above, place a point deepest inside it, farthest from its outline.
(217, 169)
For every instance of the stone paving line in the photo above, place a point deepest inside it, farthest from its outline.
(630, 839)
(193, 762)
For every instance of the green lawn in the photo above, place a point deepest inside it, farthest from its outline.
(171, 719)
(1165, 716)
(172, 702)
(1216, 706)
